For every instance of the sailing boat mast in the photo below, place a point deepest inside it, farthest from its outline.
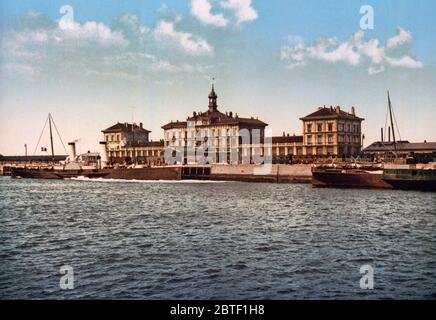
(392, 123)
(51, 137)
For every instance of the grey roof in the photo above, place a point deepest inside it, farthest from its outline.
(125, 127)
(400, 146)
(330, 113)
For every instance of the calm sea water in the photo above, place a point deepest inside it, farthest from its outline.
(154, 240)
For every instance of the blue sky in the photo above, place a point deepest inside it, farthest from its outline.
(153, 61)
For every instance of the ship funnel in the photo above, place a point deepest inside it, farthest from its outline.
(104, 159)
(72, 151)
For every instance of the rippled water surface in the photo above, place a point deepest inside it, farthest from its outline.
(213, 240)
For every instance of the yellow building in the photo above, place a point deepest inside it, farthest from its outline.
(286, 148)
(332, 132)
(129, 143)
(215, 135)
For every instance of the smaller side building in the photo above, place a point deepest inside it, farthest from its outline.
(287, 148)
(331, 132)
(129, 143)
(122, 135)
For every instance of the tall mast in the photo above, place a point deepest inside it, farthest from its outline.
(392, 122)
(51, 137)
(133, 142)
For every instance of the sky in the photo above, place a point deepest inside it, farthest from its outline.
(94, 63)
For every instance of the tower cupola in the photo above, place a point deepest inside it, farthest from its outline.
(212, 100)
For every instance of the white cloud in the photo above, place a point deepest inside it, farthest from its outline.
(89, 31)
(355, 51)
(26, 70)
(375, 69)
(401, 38)
(404, 61)
(201, 9)
(132, 22)
(79, 34)
(243, 10)
(194, 45)
(134, 60)
(121, 52)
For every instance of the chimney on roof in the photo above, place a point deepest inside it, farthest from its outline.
(140, 125)
(231, 114)
(288, 134)
(236, 115)
(338, 109)
(194, 114)
(125, 124)
(331, 108)
(353, 111)
(284, 133)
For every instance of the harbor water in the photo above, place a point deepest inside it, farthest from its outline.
(213, 240)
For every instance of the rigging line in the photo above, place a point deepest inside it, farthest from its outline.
(40, 136)
(398, 128)
(57, 131)
(386, 123)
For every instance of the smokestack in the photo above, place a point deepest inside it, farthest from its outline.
(389, 133)
(104, 159)
(72, 153)
(382, 138)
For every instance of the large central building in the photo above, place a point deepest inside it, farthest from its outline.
(220, 132)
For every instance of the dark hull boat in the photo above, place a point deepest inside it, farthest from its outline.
(49, 173)
(411, 179)
(33, 173)
(157, 173)
(348, 178)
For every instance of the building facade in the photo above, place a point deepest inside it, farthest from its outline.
(287, 148)
(215, 137)
(331, 132)
(123, 135)
(386, 150)
(129, 143)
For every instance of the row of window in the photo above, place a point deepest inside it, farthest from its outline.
(113, 137)
(202, 133)
(319, 139)
(320, 151)
(355, 128)
(139, 153)
(348, 139)
(319, 127)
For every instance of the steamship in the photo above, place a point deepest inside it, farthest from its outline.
(71, 167)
